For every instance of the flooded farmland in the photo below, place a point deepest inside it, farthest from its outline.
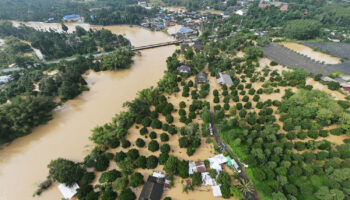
(312, 54)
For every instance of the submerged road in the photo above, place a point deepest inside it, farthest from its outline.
(252, 196)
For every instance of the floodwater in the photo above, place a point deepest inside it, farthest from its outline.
(23, 163)
(315, 55)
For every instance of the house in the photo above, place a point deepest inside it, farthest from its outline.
(197, 47)
(71, 17)
(153, 188)
(224, 79)
(241, 12)
(68, 192)
(185, 30)
(194, 167)
(201, 77)
(225, 14)
(284, 8)
(264, 5)
(327, 79)
(5, 79)
(184, 69)
(216, 162)
(345, 87)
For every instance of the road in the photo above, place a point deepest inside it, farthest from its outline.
(243, 174)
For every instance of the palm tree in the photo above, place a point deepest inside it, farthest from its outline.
(245, 186)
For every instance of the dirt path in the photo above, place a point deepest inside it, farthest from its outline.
(243, 174)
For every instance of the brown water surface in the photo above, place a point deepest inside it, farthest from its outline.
(23, 163)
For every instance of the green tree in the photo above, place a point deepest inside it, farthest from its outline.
(136, 179)
(65, 171)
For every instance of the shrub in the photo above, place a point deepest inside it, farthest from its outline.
(239, 106)
(153, 146)
(152, 162)
(119, 156)
(133, 154)
(169, 118)
(153, 135)
(164, 137)
(114, 143)
(165, 148)
(143, 131)
(127, 194)
(87, 178)
(110, 176)
(136, 179)
(245, 99)
(273, 63)
(182, 104)
(256, 98)
(163, 157)
(184, 142)
(102, 163)
(332, 85)
(141, 162)
(126, 143)
(140, 143)
(190, 151)
(216, 99)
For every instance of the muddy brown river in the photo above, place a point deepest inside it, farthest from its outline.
(23, 163)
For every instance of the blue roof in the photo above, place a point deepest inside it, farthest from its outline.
(159, 26)
(72, 16)
(185, 30)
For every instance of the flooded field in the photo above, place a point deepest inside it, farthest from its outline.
(23, 163)
(315, 55)
(57, 27)
(174, 29)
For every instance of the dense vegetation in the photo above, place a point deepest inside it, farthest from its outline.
(57, 45)
(192, 5)
(96, 12)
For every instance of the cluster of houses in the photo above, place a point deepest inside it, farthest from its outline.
(266, 3)
(217, 163)
(191, 22)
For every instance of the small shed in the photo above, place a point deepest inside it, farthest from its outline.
(224, 79)
(152, 189)
(184, 69)
(68, 192)
(198, 166)
(201, 77)
(327, 79)
(216, 191)
(71, 17)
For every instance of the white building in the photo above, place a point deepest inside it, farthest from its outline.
(5, 79)
(241, 12)
(224, 79)
(68, 192)
(217, 161)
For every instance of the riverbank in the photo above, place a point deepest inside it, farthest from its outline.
(67, 134)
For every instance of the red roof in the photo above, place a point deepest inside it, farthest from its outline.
(263, 5)
(284, 8)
